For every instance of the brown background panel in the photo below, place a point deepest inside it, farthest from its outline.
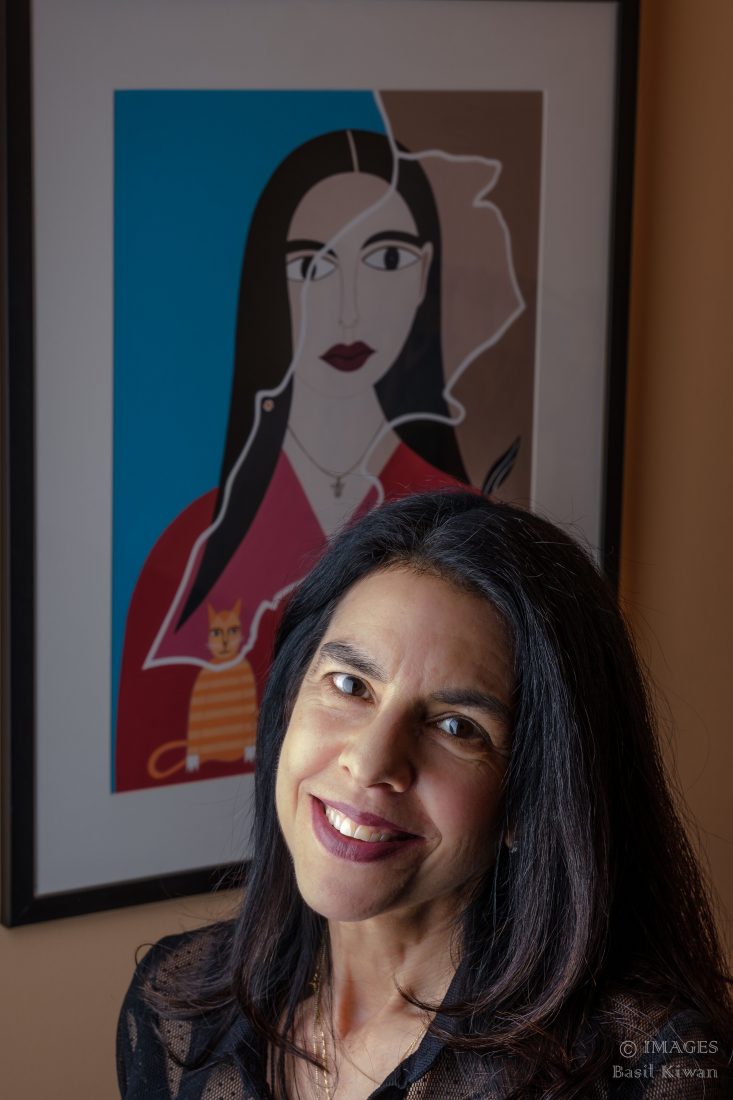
(497, 388)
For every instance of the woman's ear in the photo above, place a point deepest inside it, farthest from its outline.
(426, 258)
(508, 838)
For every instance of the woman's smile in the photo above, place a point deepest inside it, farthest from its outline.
(390, 776)
(348, 820)
(344, 838)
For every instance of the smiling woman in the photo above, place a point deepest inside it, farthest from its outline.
(395, 753)
(469, 879)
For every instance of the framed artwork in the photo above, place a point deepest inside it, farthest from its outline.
(268, 265)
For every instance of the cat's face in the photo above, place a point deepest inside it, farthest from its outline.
(225, 632)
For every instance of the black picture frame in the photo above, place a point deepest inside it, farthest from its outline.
(21, 903)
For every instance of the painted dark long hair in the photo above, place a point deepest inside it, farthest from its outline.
(602, 894)
(263, 350)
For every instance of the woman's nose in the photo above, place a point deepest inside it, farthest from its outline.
(349, 315)
(380, 752)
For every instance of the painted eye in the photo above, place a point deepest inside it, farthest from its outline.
(460, 728)
(350, 685)
(311, 267)
(391, 258)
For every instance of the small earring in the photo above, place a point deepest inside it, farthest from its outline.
(268, 404)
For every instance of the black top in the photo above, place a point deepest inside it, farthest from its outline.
(660, 1057)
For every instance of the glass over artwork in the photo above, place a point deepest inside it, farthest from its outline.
(322, 300)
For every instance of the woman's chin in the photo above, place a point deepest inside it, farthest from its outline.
(332, 901)
(328, 382)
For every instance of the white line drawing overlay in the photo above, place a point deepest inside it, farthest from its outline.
(455, 417)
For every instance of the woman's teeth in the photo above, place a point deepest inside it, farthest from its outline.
(347, 827)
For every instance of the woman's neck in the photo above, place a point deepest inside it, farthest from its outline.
(330, 442)
(335, 432)
(371, 961)
(357, 1019)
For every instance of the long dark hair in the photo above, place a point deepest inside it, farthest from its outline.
(602, 893)
(263, 349)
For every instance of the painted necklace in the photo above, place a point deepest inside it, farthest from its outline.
(338, 484)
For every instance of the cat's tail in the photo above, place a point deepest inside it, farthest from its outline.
(157, 773)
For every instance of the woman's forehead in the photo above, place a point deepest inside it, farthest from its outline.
(334, 202)
(400, 614)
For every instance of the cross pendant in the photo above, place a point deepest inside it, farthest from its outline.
(337, 486)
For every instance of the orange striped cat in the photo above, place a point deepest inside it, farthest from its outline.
(222, 713)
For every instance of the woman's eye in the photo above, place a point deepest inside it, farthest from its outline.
(349, 685)
(391, 258)
(461, 728)
(310, 267)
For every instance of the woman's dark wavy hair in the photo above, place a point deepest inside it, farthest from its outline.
(263, 349)
(602, 893)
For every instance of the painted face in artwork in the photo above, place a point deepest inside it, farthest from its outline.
(352, 306)
(389, 784)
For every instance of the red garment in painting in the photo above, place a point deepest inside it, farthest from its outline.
(283, 542)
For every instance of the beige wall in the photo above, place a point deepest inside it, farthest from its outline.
(61, 983)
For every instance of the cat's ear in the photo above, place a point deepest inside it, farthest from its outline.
(237, 608)
(212, 614)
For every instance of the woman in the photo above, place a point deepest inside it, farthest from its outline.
(469, 880)
(338, 400)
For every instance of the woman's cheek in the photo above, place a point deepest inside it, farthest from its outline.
(294, 294)
(390, 300)
(314, 315)
(464, 795)
(310, 740)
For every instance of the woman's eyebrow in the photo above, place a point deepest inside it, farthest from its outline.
(394, 235)
(477, 700)
(355, 658)
(307, 246)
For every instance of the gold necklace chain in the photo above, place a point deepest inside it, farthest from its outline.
(318, 1029)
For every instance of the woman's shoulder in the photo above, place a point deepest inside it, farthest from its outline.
(662, 1050)
(633, 1015)
(158, 1038)
(160, 575)
(195, 945)
(408, 472)
(163, 968)
(652, 1050)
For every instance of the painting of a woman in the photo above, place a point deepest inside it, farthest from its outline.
(340, 398)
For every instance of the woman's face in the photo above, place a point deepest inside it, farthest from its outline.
(400, 730)
(355, 281)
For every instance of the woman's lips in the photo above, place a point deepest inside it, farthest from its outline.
(347, 357)
(364, 817)
(353, 848)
